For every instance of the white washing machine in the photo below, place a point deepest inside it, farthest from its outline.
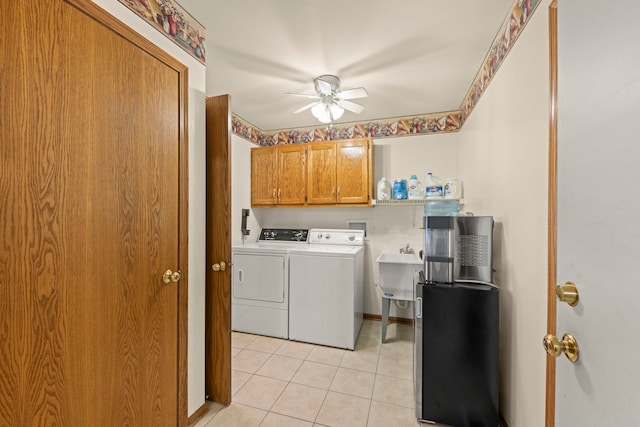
(260, 283)
(326, 288)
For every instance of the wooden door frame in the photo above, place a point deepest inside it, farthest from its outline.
(95, 12)
(550, 395)
(218, 236)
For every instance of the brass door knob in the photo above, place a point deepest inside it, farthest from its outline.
(219, 266)
(171, 276)
(569, 346)
(568, 293)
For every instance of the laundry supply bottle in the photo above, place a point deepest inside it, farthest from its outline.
(400, 189)
(384, 189)
(415, 188)
(433, 187)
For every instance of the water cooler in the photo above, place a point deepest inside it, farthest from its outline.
(456, 325)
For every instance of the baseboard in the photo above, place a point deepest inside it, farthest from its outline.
(199, 413)
(401, 320)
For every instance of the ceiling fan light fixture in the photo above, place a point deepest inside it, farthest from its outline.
(336, 111)
(331, 102)
(321, 112)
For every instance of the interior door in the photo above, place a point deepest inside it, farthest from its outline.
(218, 294)
(598, 242)
(92, 133)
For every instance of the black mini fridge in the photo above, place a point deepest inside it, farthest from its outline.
(456, 354)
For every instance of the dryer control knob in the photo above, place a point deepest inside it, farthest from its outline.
(319, 235)
(352, 237)
(326, 236)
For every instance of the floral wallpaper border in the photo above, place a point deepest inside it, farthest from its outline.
(511, 28)
(422, 124)
(385, 128)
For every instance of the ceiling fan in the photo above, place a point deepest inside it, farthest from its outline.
(331, 101)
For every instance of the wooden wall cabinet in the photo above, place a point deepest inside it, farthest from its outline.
(278, 175)
(354, 171)
(292, 181)
(313, 174)
(321, 173)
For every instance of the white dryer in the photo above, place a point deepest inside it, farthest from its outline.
(260, 284)
(326, 280)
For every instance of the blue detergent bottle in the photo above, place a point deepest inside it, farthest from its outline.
(400, 189)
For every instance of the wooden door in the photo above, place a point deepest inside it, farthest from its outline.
(598, 242)
(353, 166)
(218, 295)
(321, 173)
(264, 176)
(92, 212)
(292, 178)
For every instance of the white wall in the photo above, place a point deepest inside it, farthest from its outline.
(503, 155)
(197, 181)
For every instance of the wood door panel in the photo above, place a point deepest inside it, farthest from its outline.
(218, 295)
(321, 173)
(292, 179)
(90, 194)
(353, 171)
(264, 169)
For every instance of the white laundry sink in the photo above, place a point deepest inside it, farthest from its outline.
(397, 272)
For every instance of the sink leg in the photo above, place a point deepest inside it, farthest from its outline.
(385, 317)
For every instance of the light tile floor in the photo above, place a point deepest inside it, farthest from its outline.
(291, 384)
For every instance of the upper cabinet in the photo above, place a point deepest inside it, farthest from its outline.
(353, 171)
(264, 176)
(278, 175)
(292, 188)
(313, 174)
(321, 173)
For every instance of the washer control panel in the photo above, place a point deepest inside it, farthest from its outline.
(284, 235)
(336, 237)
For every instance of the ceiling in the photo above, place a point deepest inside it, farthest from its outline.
(412, 56)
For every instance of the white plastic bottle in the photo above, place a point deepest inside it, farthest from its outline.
(415, 188)
(384, 189)
(433, 187)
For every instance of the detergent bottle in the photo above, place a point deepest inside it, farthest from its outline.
(433, 187)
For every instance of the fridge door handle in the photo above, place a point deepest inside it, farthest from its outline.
(418, 308)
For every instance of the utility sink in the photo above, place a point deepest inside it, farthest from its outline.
(397, 271)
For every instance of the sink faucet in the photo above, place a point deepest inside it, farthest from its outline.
(407, 250)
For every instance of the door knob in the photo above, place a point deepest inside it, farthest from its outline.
(568, 293)
(171, 276)
(569, 346)
(221, 266)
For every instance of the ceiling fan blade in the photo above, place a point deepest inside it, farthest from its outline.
(358, 92)
(306, 107)
(303, 95)
(351, 106)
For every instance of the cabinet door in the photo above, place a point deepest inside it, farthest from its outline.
(292, 179)
(264, 162)
(321, 173)
(353, 171)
